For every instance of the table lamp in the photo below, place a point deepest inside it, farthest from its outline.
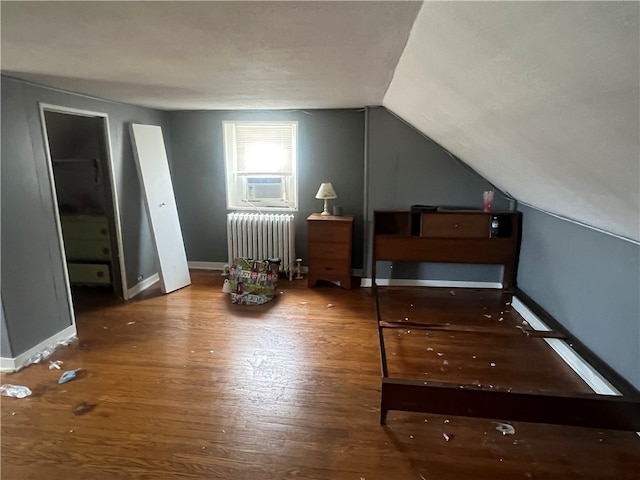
(326, 192)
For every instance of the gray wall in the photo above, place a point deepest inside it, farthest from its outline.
(35, 302)
(588, 281)
(5, 347)
(406, 168)
(330, 149)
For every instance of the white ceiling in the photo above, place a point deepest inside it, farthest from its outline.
(210, 55)
(541, 98)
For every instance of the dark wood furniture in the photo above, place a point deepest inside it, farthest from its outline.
(330, 242)
(416, 322)
(448, 236)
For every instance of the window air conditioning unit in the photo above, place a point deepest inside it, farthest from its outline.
(265, 188)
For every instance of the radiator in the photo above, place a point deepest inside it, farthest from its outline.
(261, 236)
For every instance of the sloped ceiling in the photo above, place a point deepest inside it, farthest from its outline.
(541, 98)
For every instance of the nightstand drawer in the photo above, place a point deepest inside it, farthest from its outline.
(336, 251)
(329, 231)
(325, 268)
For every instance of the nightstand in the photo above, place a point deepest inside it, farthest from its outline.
(330, 239)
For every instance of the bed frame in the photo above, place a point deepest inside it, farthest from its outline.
(477, 237)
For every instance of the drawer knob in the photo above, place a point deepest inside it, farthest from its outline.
(103, 231)
(105, 251)
(100, 274)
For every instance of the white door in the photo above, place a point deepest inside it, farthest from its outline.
(155, 181)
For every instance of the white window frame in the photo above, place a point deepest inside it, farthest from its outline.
(237, 182)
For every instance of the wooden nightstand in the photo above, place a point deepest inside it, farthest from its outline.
(330, 239)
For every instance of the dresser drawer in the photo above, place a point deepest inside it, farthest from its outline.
(335, 251)
(329, 268)
(452, 225)
(89, 273)
(328, 231)
(81, 227)
(87, 249)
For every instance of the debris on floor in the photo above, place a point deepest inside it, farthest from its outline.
(16, 391)
(82, 408)
(69, 375)
(55, 365)
(505, 428)
(46, 352)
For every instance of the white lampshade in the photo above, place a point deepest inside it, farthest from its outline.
(326, 192)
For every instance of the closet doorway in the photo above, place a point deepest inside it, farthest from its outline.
(82, 181)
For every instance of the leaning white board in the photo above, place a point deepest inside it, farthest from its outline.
(155, 181)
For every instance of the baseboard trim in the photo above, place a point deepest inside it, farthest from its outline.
(207, 265)
(142, 286)
(24, 359)
(590, 375)
(7, 364)
(531, 318)
(400, 282)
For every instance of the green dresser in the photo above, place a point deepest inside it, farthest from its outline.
(88, 249)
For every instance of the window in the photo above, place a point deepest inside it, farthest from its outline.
(260, 160)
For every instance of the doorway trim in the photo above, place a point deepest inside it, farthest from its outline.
(46, 107)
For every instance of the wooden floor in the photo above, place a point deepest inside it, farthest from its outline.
(190, 386)
(475, 339)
